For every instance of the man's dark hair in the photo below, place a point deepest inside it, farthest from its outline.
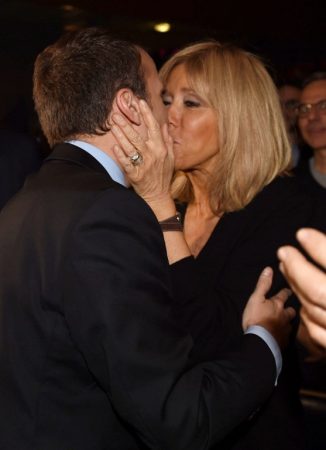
(76, 79)
(316, 76)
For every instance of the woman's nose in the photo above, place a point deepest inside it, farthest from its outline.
(173, 115)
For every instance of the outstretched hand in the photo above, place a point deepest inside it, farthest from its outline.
(269, 313)
(150, 178)
(308, 281)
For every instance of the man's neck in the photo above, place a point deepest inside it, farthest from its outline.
(104, 143)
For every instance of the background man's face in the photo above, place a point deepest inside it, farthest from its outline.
(313, 125)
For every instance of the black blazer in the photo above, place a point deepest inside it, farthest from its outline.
(225, 273)
(89, 356)
(19, 156)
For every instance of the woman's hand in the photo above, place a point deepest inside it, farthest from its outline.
(151, 176)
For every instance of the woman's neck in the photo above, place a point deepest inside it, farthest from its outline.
(201, 199)
(200, 219)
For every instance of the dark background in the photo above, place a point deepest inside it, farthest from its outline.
(289, 36)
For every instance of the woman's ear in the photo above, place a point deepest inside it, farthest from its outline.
(128, 105)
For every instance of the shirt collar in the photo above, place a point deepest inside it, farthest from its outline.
(104, 159)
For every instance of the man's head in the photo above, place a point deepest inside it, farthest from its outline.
(76, 81)
(312, 111)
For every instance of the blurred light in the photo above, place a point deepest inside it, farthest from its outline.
(162, 27)
(68, 8)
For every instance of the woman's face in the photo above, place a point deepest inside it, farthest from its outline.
(192, 124)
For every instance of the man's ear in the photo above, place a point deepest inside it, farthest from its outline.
(128, 105)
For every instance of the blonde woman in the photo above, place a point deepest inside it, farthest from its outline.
(238, 205)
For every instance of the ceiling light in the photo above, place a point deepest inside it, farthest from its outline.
(162, 27)
(68, 8)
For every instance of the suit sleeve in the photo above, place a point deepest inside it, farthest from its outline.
(117, 299)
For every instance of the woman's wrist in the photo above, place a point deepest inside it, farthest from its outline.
(173, 223)
(163, 207)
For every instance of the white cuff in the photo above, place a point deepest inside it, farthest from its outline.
(272, 344)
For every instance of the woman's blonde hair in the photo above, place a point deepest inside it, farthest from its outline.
(253, 143)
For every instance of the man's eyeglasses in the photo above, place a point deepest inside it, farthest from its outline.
(304, 109)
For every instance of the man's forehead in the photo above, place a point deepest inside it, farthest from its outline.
(288, 91)
(315, 89)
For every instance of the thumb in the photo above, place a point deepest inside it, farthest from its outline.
(264, 282)
(168, 141)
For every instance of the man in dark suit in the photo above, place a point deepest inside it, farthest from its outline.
(90, 358)
(19, 156)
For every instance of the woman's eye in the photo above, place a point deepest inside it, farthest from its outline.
(191, 103)
(166, 101)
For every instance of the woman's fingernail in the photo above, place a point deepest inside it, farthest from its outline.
(267, 272)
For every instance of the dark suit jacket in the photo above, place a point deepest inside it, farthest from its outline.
(226, 270)
(89, 356)
(19, 156)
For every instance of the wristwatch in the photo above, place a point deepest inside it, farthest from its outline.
(173, 223)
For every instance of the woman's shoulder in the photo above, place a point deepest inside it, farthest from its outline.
(282, 198)
(283, 189)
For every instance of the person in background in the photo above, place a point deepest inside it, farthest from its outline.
(311, 114)
(238, 203)
(289, 94)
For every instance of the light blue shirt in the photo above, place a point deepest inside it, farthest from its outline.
(104, 159)
(272, 344)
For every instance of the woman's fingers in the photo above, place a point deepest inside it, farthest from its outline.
(151, 123)
(168, 141)
(124, 160)
(314, 242)
(128, 138)
(148, 162)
